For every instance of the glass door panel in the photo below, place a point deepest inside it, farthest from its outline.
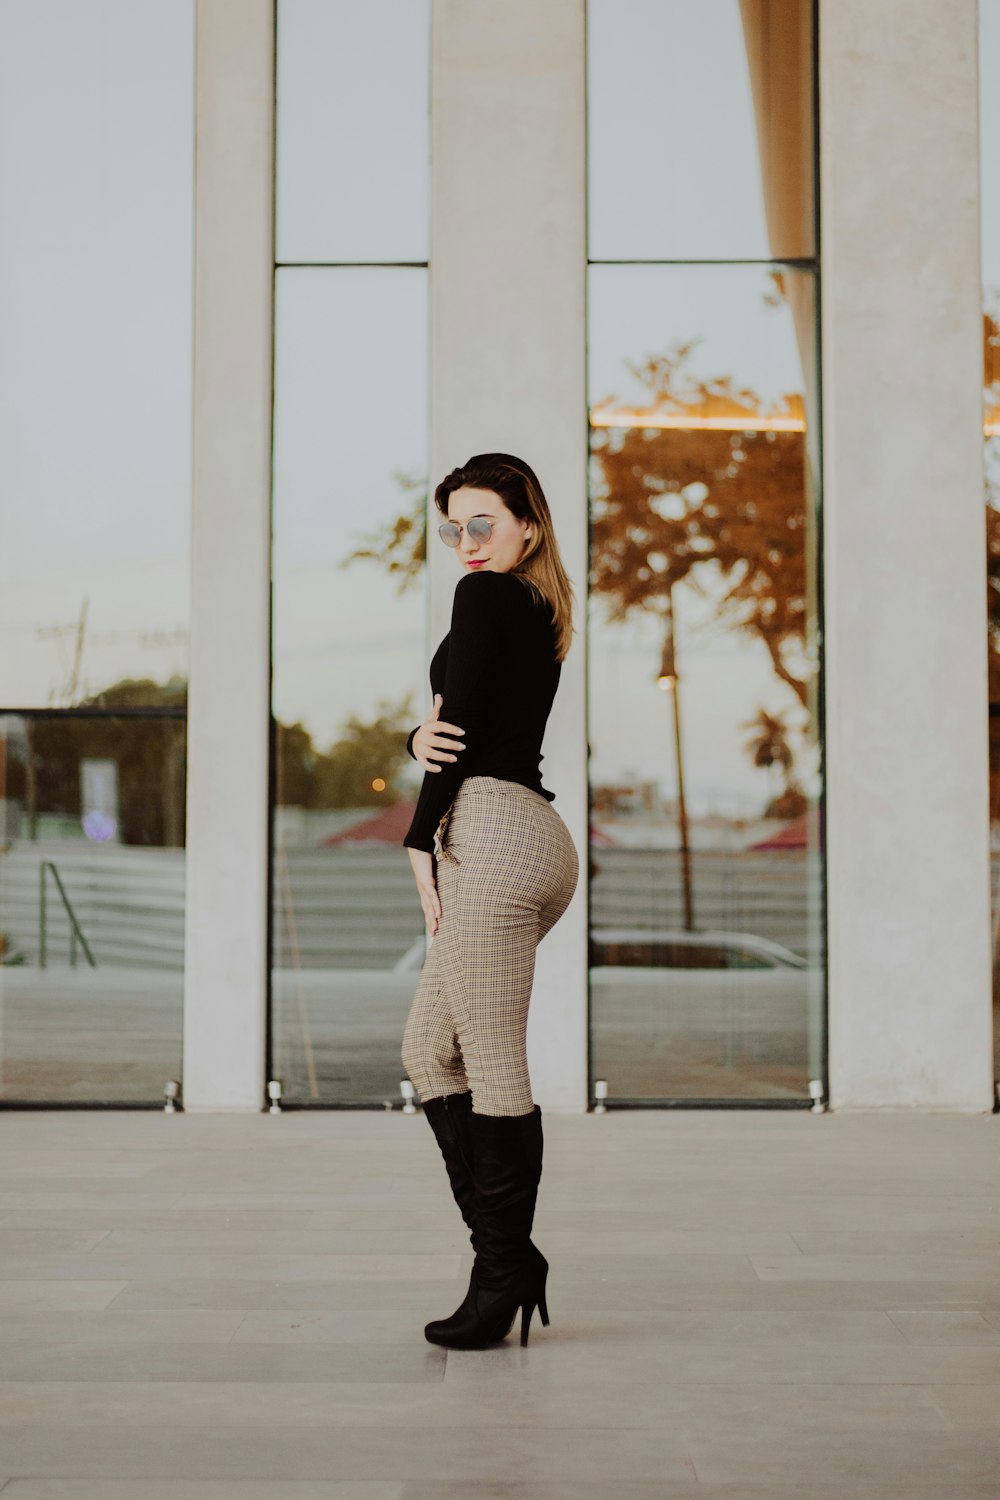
(92, 883)
(350, 463)
(706, 963)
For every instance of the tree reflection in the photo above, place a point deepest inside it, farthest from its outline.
(362, 768)
(400, 545)
(991, 393)
(768, 746)
(721, 509)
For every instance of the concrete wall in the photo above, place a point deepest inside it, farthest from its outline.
(907, 834)
(229, 703)
(508, 373)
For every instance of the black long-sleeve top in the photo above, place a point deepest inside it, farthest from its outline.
(497, 672)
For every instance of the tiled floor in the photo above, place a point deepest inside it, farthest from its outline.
(744, 1305)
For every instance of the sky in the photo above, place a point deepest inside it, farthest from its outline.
(989, 139)
(96, 149)
(96, 160)
(673, 165)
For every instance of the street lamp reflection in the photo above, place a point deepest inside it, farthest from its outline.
(668, 682)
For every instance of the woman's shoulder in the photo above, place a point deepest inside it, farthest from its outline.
(499, 596)
(490, 579)
(491, 589)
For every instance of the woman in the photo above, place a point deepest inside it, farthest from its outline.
(505, 871)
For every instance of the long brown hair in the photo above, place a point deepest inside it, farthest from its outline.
(541, 567)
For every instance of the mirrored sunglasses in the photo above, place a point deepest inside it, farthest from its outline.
(479, 529)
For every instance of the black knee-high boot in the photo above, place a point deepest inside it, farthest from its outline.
(509, 1271)
(448, 1117)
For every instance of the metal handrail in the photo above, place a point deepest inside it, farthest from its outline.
(75, 930)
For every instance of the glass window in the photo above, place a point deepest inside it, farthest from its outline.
(350, 491)
(96, 179)
(353, 130)
(703, 687)
(700, 129)
(92, 885)
(96, 163)
(989, 156)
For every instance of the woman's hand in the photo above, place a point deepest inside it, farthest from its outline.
(423, 869)
(433, 740)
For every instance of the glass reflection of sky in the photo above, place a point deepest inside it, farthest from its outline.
(353, 130)
(640, 310)
(989, 138)
(96, 110)
(989, 157)
(674, 167)
(350, 409)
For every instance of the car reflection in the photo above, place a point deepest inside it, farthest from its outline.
(637, 947)
(709, 1012)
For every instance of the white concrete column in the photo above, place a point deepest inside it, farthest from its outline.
(508, 373)
(229, 701)
(909, 948)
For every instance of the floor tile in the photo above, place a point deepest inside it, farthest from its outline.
(508, 1402)
(57, 1294)
(97, 1360)
(468, 1454)
(939, 1327)
(203, 1489)
(943, 1459)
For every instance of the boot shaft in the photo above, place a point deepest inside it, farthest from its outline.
(448, 1117)
(507, 1150)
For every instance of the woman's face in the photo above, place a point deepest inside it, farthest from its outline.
(505, 547)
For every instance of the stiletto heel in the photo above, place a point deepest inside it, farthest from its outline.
(543, 1277)
(527, 1309)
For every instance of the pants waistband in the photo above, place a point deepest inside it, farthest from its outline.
(497, 786)
(490, 786)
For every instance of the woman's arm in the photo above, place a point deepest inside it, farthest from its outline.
(477, 632)
(433, 740)
(423, 872)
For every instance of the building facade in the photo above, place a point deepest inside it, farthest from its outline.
(724, 274)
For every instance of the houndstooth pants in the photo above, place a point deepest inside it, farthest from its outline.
(506, 872)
